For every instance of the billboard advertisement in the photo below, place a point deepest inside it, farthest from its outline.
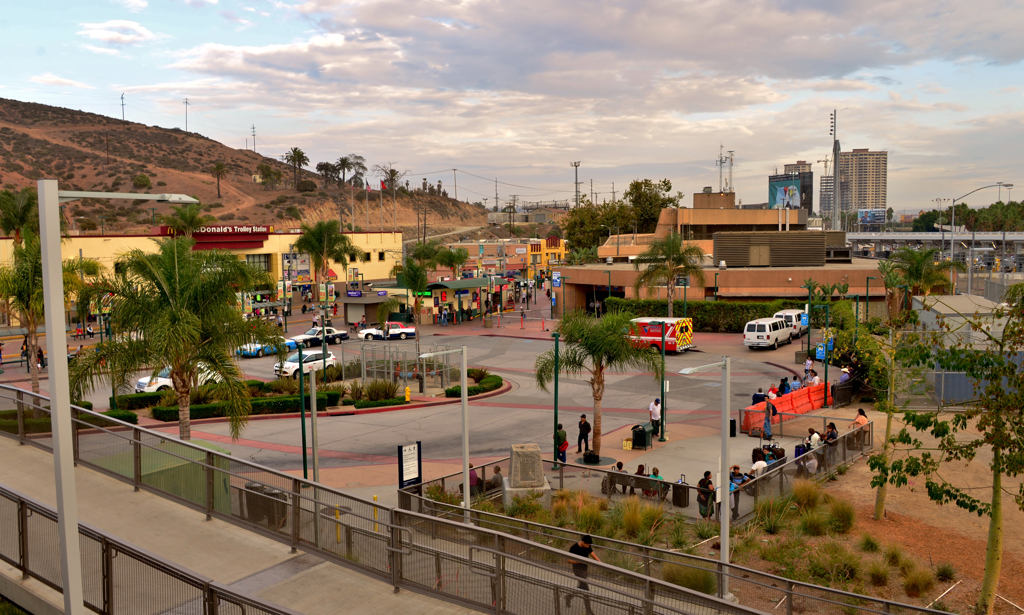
(784, 194)
(871, 216)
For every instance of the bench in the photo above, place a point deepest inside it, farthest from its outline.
(654, 488)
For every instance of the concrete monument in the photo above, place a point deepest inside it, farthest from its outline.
(526, 474)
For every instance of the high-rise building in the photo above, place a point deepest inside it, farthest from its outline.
(826, 192)
(800, 166)
(862, 180)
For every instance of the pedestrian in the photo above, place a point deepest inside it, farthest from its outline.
(496, 480)
(796, 385)
(759, 396)
(769, 411)
(815, 380)
(784, 387)
(280, 322)
(40, 359)
(303, 308)
(335, 308)
(655, 410)
(583, 441)
(561, 443)
(808, 367)
(860, 423)
(846, 376)
(705, 493)
(89, 331)
(583, 550)
(619, 469)
(736, 480)
(591, 306)
(831, 440)
(474, 481)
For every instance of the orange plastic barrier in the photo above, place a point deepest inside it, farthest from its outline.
(798, 402)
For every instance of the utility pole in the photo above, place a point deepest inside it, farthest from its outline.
(613, 192)
(123, 124)
(591, 191)
(497, 203)
(731, 152)
(455, 181)
(186, 113)
(254, 138)
(836, 200)
(153, 211)
(576, 166)
(512, 214)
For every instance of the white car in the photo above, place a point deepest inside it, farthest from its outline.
(310, 361)
(163, 382)
(767, 332)
(395, 331)
(314, 336)
(792, 318)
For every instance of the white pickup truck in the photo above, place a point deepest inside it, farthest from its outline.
(390, 331)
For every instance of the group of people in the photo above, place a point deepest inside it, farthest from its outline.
(477, 485)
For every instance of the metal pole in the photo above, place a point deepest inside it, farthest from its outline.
(970, 268)
(554, 433)
(60, 400)
(302, 413)
(664, 400)
(466, 487)
(312, 414)
(725, 516)
(684, 297)
(952, 246)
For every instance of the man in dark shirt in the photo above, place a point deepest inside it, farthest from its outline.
(705, 496)
(583, 550)
(583, 442)
(759, 396)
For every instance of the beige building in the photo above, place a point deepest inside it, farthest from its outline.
(800, 166)
(863, 180)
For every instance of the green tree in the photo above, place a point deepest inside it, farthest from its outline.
(386, 308)
(19, 212)
(354, 163)
(667, 260)
(177, 308)
(988, 431)
(413, 276)
(647, 198)
(925, 223)
(21, 286)
(269, 176)
(920, 271)
(453, 259)
(425, 254)
(219, 172)
(595, 346)
(187, 219)
(324, 242)
(298, 159)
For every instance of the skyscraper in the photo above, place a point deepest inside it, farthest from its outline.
(863, 180)
(826, 192)
(800, 166)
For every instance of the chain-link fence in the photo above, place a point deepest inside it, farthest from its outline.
(398, 361)
(117, 577)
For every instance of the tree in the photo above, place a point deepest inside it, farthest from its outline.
(21, 286)
(386, 308)
(990, 430)
(581, 256)
(425, 254)
(298, 159)
(920, 271)
(413, 276)
(453, 259)
(219, 172)
(595, 346)
(647, 199)
(187, 219)
(329, 173)
(667, 260)
(324, 242)
(354, 163)
(925, 223)
(19, 211)
(269, 176)
(888, 215)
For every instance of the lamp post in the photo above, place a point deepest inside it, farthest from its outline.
(723, 491)
(664, 400)
(50, 198)
(554, 433)
(466, 488)
(952, 228)
(302, 410)
(808, 310)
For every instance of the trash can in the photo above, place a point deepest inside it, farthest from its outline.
(642, 436)
(680, 495)
(276, 504)
(255, 507)
(732, 428)
(487, 322)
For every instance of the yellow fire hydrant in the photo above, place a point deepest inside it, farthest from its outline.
(408, 393)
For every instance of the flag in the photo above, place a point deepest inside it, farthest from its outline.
(383, 186)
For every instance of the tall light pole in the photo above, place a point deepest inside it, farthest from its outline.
(50, 198)
(576, 167)
(463, 386)
(952, 228)
(723, 491)
(664, 400)
(554, 433)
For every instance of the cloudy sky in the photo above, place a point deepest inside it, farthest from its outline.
(517, 90)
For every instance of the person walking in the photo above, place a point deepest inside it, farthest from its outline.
(561, 443)
(808, 367)
(583, 550)
(583, 441)
(705, 496)
(655, 410)
(280, 322)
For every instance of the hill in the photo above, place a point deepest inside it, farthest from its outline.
(86, 151)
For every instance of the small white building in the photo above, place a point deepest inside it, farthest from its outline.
(956, 312)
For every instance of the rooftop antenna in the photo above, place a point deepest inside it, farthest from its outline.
(731, 152)
(186, 113)
(721, 162)
(123, 124)
(254, 138)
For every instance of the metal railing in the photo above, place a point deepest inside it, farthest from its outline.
(116, 577)
(469, 565)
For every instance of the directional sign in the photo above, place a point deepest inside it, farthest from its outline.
(804, 319)
(819, 352)
(556, 279)
(831, 344)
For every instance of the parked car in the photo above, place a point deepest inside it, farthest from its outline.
(765, 332)
(313, 337)
(310, 361)
(792, 318)
(259, 350)
(163, 382)
(390, 330)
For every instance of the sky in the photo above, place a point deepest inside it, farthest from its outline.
(515, 91)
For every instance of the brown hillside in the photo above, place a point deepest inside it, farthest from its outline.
(86, 151)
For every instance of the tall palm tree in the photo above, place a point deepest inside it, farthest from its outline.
(187, 219)
(344, 165)
(177, 308)
(595, 346)
(426, 254)
(298, 159)
(324, 243)
(219, 171)
(21, 286)
(18, 212)
(414, 277)
(667, 260)
(920, 271)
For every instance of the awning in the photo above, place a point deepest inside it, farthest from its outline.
(462, 284)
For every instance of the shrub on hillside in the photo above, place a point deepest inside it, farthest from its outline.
(141, 181)
(306, 185)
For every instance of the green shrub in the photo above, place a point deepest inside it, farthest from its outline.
(878, 574)
(919, 581)
(365, 403)
(84, 405)
(123, 415)
(524, 506)
(589, 519)
(907, 567)
(945, 571)
(807, 494)
(705, 529)
(868, 544)
(770, 513)
(260, 405)
(477, 374)
(355, 390)
(136, 401)
(894, 556)
(141, 181)
(348, 402)
(377, 390)
(841, 516)
(677, 534)
(813, 523)
(306, 185)
(833, 563)
(698, 579)
(284, 386)
(487, 384)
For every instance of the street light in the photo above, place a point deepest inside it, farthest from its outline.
(724, 516)
(466, 487)
(952, 227)
(50, 198)
(554, 432)
(664, 401)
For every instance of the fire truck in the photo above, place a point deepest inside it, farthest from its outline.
(678, 333)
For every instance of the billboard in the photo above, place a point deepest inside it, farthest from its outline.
(871, 216)
(784, 193)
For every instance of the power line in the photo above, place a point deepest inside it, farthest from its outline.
(513, 185)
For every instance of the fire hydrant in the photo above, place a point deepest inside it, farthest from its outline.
(408, 393)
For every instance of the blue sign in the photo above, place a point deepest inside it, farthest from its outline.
(804, 319)
(382, 293)
(355, 293)
(552, 300)
(556, 279)
(819, 352)
(830, 344)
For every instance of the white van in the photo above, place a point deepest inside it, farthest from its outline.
(792, 318)
(767, 332)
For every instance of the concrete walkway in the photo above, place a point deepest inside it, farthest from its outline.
(228, 554)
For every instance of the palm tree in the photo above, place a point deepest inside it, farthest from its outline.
(187, 219)
(358, 165)
(343, 166)
(667, 260)
(595, 346)
(21, 286)
(414, 278)
(324, 243)
(920, 271)
(18, 212)
(176, 308)
(219, 171)
(426, 253)
(298, 159)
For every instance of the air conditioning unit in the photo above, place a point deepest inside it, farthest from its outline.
(721, 265)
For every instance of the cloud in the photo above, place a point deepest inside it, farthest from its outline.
(102, 50)
(253, 10)
(51, 79)
(133, 5)
(233, 18)
(200, 3)
(117, 32)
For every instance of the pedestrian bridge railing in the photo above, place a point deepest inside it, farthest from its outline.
(477, 567)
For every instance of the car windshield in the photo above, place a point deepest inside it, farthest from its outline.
(293, 358)
(312, 357)
(313, 331)
(789, 318)
(164, 373)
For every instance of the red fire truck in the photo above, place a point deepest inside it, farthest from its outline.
(678, 333)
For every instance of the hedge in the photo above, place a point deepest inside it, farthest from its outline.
(365, 403)
(135, 401)
(122, 415)
(489, 383)
(9, 420)
(708, 316)
(260, 405)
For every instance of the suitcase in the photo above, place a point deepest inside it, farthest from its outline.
(800, 451)
(756, 432)
(756, 455)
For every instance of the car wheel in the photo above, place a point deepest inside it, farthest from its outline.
(402, 336)
(790, 340)
(295, 376)
(259, 353)
(775, 346)
(163, 388)
(368, 337)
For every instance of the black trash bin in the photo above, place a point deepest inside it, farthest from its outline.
(732, 428)
(641, 437)
(255, 506)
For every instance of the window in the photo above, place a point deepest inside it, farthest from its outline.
(761, 328)
(366, 257)
(380, 256)
(259, 261)
(751, 327)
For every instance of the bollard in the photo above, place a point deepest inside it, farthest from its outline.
(408, 394)
(522, 322)
(375, 515)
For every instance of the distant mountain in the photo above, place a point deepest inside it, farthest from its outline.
(86, 151)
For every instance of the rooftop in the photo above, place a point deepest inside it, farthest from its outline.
(953, 305)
